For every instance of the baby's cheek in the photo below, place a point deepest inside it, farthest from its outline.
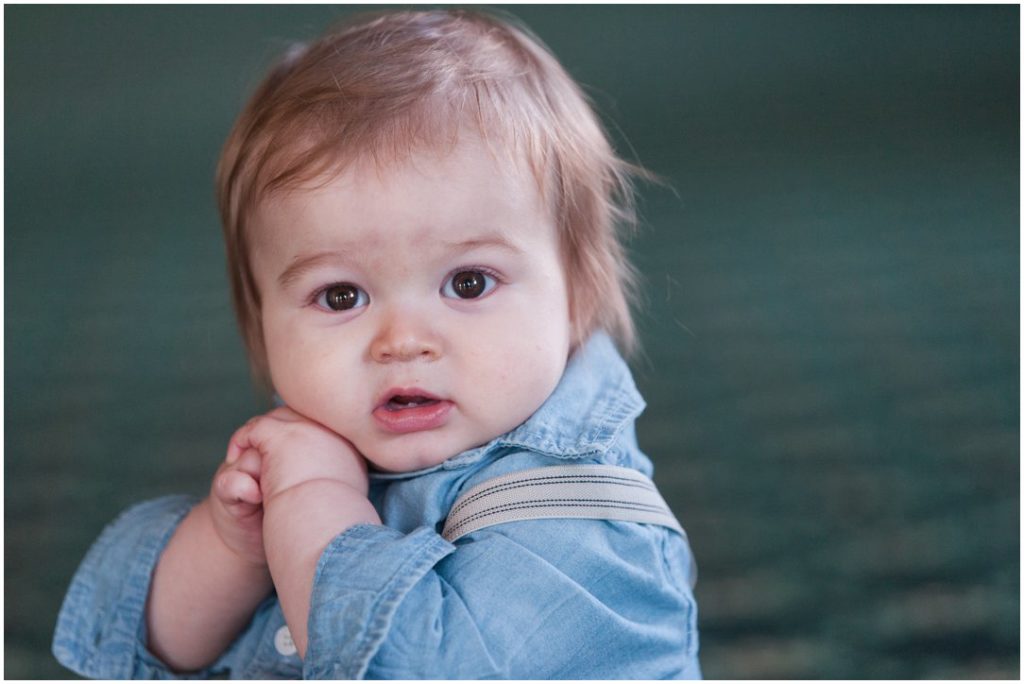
(307, 399)
(523, 382)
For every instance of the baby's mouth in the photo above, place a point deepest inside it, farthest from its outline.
(400, 402)
(410, 409)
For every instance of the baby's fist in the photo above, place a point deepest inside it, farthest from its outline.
(295, 449)
(237, 505)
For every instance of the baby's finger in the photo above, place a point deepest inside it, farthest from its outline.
(239, 441)
(234, 486)
(249, 462)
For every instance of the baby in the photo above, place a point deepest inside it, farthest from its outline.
(421, 215)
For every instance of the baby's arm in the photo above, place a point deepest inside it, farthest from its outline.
(314, 486)
(533, 599)
(213, 573)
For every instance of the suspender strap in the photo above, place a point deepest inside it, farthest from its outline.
(599, 492)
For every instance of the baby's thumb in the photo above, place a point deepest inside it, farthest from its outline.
(234, 487)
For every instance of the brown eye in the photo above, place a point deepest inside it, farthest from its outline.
(342, 297)
(468, 285)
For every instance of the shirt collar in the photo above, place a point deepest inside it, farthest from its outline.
(595, 399)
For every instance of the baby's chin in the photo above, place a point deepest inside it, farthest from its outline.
(407, 456)
(385, 463)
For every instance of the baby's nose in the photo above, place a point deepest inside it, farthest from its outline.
(405, 342)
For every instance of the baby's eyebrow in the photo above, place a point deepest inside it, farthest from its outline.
(492, 240)
(303, 263)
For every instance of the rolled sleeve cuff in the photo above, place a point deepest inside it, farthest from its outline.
(361, 578)
(101, 629)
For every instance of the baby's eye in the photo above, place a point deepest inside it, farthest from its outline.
(468, 284)
(342, 297)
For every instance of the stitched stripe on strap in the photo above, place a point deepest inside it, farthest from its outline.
(600, 492)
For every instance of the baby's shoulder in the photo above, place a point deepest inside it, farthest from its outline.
(540, 500)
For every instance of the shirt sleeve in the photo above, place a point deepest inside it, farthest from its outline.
(101, 628)
(536, 599)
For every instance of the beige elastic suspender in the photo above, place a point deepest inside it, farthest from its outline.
(572, 491)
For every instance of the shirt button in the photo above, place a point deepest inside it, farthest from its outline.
(283, 642)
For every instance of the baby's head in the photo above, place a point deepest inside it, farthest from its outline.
(421, 214)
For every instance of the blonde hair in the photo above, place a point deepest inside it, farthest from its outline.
(381, 86)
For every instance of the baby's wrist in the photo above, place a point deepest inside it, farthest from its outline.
(252, 564)
(300, 520)
(280, 476)
(345, 487)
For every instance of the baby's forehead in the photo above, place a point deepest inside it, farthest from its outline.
(473, 170)
(461, 196)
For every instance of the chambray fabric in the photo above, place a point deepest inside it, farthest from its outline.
(532, 599)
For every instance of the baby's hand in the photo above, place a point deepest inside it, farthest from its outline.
(314, 485)
(295, 450)
(236, 504)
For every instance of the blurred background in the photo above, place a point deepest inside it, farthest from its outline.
(831, 330)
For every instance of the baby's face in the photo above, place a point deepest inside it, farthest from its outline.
(417, 311)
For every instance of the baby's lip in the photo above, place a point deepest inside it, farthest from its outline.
(389, 394)
(404, 410)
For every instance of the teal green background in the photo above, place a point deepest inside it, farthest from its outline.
(831, 328)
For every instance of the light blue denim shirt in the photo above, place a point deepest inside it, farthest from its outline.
(532, 599)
